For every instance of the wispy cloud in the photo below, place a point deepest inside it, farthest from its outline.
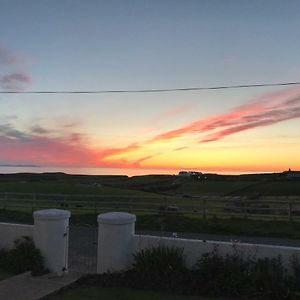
(8, 132)
(137, 163)
(119, 151)
(8, 57)
(36, 129)
(15, 81)
(180, 148)
(177, 111)
(166, 116)
(12, 78)
(266, 110)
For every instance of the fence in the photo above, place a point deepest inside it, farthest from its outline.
(279, 208)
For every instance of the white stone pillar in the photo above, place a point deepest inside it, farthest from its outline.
(51, 228)
(115, 233)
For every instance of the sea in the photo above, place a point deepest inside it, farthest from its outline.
(106, 171)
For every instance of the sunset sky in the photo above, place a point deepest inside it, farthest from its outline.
(76, 45)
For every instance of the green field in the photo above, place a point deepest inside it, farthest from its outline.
(67, 188)
(263, 205)
(150, 185)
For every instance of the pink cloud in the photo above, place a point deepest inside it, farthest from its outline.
(71, 150)
(172, 113)
(265, 110)
(117, 151)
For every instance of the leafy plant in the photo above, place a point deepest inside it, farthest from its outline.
(159, 267)
(24, 256)
(236, 275)
(270, 279)
(224, 275)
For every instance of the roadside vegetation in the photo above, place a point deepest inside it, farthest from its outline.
(162, 269)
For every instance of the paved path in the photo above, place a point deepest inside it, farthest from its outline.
(26, 287)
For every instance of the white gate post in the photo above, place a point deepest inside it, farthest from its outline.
(115, 233)
(51, 237)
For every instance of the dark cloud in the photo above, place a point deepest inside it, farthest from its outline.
(39, 130)
(10, 133)
(11, 78)
(15, 81)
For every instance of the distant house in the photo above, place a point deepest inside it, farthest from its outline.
(193, 174)
(184, 174)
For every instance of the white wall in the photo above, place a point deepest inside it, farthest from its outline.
(193, 249)
(10, 232)
(116, 230)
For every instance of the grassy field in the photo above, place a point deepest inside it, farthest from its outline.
(218, 204)
(212, 188)
(193, 224)
(67, 188)
(96, 293)
(151, 185)
(239, 188)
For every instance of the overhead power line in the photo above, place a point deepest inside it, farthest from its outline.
(222, 87)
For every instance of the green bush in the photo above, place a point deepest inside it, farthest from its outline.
(159, 267)
(236, 276)
(223, 275)
(295, 263)
(270, 279)
(24, 256)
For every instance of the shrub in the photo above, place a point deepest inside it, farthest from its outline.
(24, 256)
(270, 279)
(236, 276)
(228, 275)
(159, 267)
(295, 264)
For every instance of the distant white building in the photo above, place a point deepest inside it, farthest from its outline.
(190, 174)
(184, 174)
